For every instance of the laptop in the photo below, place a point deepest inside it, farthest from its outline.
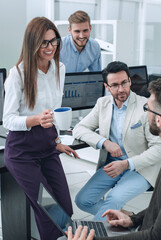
(62, 220)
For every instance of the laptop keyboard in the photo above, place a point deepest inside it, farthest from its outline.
(99, 228)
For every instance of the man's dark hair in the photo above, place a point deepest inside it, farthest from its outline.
(155, 88)
(115, 67)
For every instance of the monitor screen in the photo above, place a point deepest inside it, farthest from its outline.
(81, 90)
(2, 79)
(139, 80)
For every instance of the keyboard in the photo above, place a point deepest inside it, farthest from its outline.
(99, 228)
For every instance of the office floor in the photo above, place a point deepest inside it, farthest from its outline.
(78, 171)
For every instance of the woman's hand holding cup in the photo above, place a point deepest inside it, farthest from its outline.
(61, 116)
(46, 118)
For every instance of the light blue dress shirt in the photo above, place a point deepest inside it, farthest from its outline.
(116, 130)
(89, 58)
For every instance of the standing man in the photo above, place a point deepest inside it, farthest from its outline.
(130, 156)
(80, 52)
(148, 221)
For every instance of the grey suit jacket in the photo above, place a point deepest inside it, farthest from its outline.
(140, 145)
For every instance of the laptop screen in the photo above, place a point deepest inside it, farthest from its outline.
(53, 209)
(81, 90)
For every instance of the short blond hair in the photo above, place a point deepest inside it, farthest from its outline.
(79, 17)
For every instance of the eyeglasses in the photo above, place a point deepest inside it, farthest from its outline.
(146, 109)
(53, 42)
(115, 87)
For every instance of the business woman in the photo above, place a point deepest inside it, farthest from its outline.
(33, 88)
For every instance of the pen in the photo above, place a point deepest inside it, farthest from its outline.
(3, 136)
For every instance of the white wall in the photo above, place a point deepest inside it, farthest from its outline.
(14, 17)
(152, 47)
(35, 8)
(12, 26)
(64, 8)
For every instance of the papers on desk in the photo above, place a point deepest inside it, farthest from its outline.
(67, 139)
(89, 153)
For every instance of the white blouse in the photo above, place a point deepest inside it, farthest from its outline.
(49, 96)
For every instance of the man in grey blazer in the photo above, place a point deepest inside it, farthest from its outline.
(130, 156)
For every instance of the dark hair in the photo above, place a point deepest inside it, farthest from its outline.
(115, 67)
(33, 38)
(78, 17)
(155, 88)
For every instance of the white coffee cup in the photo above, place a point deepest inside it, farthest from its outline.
(63, 117)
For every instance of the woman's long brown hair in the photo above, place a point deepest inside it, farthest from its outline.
(33, 38)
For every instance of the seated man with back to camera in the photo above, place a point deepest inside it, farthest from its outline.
(146, 222)
(130, 156)
(80, 52)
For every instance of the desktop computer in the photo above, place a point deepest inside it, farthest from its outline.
(81, 91)
(139, 80)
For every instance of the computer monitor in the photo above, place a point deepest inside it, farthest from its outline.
(2, 79)
(82, 89)
(139, 80)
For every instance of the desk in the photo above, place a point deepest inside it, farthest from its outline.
(15, 208)
(14, 204)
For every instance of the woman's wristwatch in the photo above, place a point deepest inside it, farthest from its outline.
(58, 140)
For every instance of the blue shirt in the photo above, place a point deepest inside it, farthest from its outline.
(89, 58)
(116, 130)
